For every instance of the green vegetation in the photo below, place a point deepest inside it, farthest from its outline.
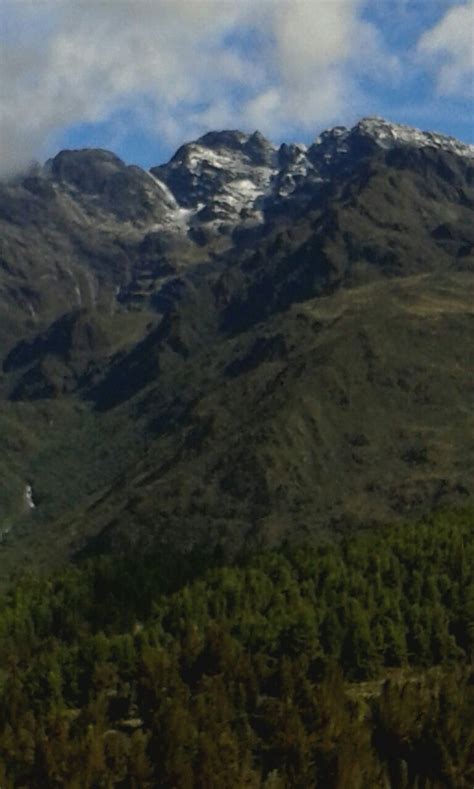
(343, 665)
(164, 386)
(239, 385)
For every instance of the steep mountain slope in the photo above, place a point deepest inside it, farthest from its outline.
(243, 345)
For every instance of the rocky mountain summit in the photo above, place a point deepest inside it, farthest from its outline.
(86, 229)
(246, 342)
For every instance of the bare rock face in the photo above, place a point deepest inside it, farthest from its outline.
(100, 181)
(87, 170)
(222, 177)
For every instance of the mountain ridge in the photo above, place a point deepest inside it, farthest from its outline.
(222, 344)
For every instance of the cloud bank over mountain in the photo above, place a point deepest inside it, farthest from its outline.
(176, 69)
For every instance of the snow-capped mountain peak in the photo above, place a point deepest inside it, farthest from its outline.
(230, 178)
(389, 135)
(221, 176)
(226, 178)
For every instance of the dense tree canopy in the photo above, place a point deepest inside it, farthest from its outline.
(348, 664)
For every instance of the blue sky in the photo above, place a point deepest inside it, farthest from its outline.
(143, 76)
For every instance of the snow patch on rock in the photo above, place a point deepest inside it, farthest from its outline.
(166, 191)
(387, 135)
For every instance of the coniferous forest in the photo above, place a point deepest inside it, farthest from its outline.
(345, 664)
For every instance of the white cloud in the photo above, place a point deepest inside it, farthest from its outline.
(449, 48)
(318, 52)
(193, 63)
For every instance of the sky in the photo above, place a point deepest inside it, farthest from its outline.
(141, 77)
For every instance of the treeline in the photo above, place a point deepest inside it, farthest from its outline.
(345, 665)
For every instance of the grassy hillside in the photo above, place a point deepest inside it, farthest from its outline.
(342, 409)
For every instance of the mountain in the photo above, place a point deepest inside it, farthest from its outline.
(244, 345)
